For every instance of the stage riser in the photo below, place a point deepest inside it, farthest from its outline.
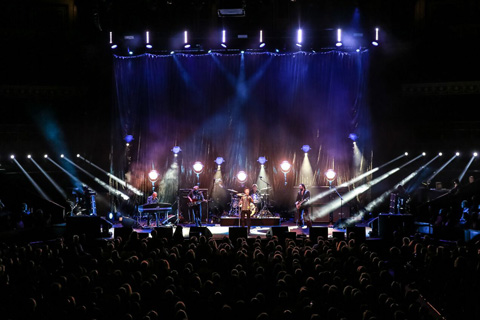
(255, 222)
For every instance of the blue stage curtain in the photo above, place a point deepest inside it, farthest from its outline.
(239, 107)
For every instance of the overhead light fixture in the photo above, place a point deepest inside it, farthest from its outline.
(262, 160)
(306, 148)
(198, 167)
(285, 166)
(186, 44)
(176, 150)
(242, 176)
(224, 39)
(330, 174)
(148, 45)
(234, 12)
(261, 42)
(299, 38)
(219, 161)
(376, 42)
(153, 175)
(112, 45)
(339, 38)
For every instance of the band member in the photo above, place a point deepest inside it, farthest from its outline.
(257, 198)
(152, 199)
(244, 204)
(195, 196)
(303, 196)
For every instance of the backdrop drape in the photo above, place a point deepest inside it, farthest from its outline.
(239, 107)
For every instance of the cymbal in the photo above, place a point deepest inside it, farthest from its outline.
(240, 194)
(265, 188)
(231, 190)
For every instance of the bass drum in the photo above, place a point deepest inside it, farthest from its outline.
(234, 203)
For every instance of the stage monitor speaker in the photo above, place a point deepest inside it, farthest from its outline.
(200, 231)
(164, 232)
(237, 232)
(390, 223)
(277, 231)
(128, 222)
(123, 233)
(91, 226)
(316, 232)
(290, 235)
(339, 235)
(359, 233)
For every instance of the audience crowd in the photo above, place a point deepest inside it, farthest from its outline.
(153, 278)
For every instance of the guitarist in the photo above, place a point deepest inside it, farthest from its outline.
(195, 196)
(301, 213)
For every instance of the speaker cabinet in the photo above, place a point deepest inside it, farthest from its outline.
(277, 231)
(200, 231)
(237, 232)
(123, 232)
(390, 223)
(164, 232)
(339, 235)
(359, 233)
(91, 226)
(316, 232)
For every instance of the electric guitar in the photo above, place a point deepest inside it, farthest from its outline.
(299, 204)
(196, 202)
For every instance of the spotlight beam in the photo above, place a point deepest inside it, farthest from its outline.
(35, 185)
(100, 182)
(356, 179)
(59, 189)
(381, 198)
(120, 181)
(78, 181)
(466, 168)
(434, 174)
(335, 204)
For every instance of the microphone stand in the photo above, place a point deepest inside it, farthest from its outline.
(341, 221)
(266, 202)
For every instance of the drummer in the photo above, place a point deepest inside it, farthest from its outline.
(257, 198)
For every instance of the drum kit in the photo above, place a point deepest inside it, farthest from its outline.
(259, 200)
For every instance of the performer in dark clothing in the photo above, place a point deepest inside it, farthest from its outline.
(195, 198)
(246, 204)
(303, 196)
